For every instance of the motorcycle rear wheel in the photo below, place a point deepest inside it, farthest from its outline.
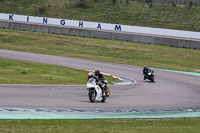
(152, 78)
(103, 99)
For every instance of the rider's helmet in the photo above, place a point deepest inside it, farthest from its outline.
(145, 67)
(97, 72)
(90, 75)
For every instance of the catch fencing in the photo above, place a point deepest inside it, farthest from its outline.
(162, 14)
(179, 2)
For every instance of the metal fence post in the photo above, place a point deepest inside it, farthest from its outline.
(4, 6)
(188, 18)
(148, 14)
(37, 7)
(73, 9)
(110, 11)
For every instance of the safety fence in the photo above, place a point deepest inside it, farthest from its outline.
(180, 2)
(159, 14)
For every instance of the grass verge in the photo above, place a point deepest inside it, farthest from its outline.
(121, 52)
(101, 126)
(20, 72)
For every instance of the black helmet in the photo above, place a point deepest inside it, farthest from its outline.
(145, 67)
(97, 72)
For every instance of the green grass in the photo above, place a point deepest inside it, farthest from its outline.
(121, 52)
(20, 72)
(101, 126)
(134, 13)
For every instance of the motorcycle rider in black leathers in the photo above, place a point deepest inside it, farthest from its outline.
(145, 71)
(100, 79)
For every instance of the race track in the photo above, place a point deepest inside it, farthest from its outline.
(171, 91)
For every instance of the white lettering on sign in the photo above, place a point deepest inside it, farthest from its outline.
(101, 26)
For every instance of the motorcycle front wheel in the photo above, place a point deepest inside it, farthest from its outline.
(92, 95)
(107, 92)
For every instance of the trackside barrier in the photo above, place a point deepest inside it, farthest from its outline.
(58, 30)
(4, 25)
(144, 39)
(103, 34)
(167, 41)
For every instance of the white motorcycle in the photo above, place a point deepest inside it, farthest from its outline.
(95, 92)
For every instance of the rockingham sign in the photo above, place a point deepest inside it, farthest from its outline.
(101, 26)
(63, 22)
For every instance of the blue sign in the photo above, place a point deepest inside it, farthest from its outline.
(62, 22)
(11, 17)
(99, 26)
(44, 20)
(118, 27)
(80, 24)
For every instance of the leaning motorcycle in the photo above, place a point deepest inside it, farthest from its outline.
(94, 91)
(150, 76)
(107, 90)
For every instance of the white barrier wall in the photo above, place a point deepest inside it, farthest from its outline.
(103, 26)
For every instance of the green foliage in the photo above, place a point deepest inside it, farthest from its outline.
(114, 2)
(127, 2)
(42, 10)
(189, 3)
(149, 3)
(83, 4)
(173, 3)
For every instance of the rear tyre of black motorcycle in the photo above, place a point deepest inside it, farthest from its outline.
(103, 99)
(92, 96)
(152, 79)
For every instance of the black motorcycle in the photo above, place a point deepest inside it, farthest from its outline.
(107, 90)
(150, 76)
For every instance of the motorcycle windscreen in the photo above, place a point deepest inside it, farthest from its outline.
(91, 80)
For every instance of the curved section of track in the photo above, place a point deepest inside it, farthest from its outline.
(171, 90)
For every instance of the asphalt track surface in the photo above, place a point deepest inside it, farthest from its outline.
(171, 91)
